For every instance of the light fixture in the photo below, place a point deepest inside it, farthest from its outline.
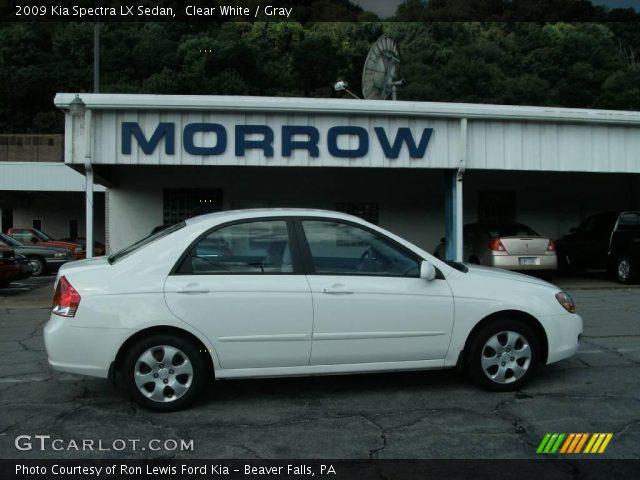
(77, 106)
(341, 85)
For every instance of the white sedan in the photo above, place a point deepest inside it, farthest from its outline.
(275, 292)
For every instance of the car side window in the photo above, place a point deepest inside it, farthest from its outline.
(628, 220)
(22, 235)
(343, 249)
(251, 247)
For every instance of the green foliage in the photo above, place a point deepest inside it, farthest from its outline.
(586, 64)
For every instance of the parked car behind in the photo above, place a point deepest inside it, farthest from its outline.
(33, 236)
(42, 259)
(9, 268)
(608, 240)
(511, 246)
(262, 293)
(98, 247)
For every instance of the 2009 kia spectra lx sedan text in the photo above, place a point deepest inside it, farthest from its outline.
(296, 292)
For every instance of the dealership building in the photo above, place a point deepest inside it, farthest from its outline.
(419, 169)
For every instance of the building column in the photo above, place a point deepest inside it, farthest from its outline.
(453, 202)
(88, 173)
(89, 211)
(453, 215)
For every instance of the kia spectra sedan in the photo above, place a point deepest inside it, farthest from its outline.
(283, 292)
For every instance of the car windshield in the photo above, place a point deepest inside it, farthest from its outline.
(510, 230)
(144, 242)
(42, 236)
(461, 267)
(9, 241)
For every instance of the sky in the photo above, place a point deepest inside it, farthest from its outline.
(386, 8)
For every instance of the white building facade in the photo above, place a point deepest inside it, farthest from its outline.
(419, 169)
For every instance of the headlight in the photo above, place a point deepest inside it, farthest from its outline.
(60, 254)
(566, 301)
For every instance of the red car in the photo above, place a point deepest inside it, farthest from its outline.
(33, 236)
(9, 268)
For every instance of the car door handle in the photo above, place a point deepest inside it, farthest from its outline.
(193, 289)
(336, 291)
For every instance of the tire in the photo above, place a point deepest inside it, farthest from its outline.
(625, 270)
(166, 390)
(488, 348)
(38, 266)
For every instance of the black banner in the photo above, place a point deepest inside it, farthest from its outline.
(547, 468)
(311, 11)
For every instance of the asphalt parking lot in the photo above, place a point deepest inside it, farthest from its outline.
(409, 415)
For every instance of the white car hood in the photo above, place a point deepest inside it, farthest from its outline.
(499, 273)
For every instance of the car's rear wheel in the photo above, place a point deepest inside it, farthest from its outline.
(503, 355)
(38, 267)
(625, 270)
(164, 373)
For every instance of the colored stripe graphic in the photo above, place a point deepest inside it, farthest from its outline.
(550, 443)
(597, 443)
(582, 441)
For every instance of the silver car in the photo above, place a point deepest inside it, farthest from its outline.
(510, 246)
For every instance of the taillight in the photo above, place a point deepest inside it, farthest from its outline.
(65, 299)
(496, 245)
(552, 246)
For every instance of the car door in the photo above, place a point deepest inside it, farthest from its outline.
(591, 241)
(242, 287)
(369, 303)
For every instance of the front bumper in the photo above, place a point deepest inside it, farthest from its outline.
(81, 350)
(563, 335)
(54, 264)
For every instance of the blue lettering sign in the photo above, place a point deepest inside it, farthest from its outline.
(192, 128)
(164, 130)
(403, 136)
(289, 144)
(359, 144)
(363, 142)
(242, 144)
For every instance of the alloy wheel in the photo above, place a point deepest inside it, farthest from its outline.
(506, 357)
(624, 269)
(163, 373)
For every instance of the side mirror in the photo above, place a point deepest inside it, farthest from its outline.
(443, 240)
(427, 271)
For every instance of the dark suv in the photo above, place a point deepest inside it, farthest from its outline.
(609, 240)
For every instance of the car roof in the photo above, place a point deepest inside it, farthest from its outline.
(231, 215)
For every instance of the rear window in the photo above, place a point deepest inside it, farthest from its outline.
(514, 230)
(144, 242)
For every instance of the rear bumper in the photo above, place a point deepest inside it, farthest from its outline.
(85, 351)
(515, 262)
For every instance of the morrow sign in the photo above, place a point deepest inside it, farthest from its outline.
(261, 137)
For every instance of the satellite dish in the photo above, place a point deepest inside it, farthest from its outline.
(380, 73)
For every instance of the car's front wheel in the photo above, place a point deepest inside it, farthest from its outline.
(503, 355)
(625, 270)
(164, 373)
(38, 267)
